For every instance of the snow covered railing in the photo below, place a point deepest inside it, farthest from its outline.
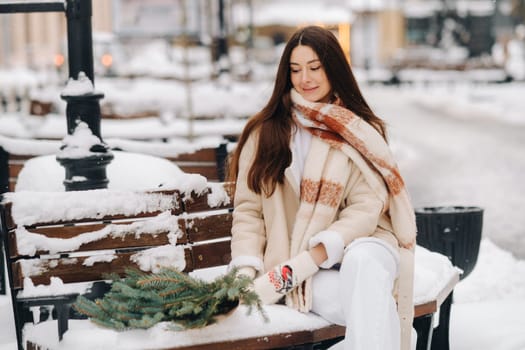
(62, 239)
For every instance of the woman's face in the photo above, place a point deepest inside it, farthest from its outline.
(308, 75)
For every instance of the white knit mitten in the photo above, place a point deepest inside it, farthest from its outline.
(284, 277)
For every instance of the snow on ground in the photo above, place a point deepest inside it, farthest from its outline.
(489, 305)
(489, 308)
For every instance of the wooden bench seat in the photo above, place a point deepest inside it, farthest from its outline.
(80, 236)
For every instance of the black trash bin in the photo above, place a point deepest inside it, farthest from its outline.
(454, 231)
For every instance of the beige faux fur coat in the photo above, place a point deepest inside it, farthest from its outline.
(262, 232)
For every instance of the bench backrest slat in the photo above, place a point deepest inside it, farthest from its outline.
(126, 237)
(176, 207)
(78, 269)
(208, 227)
(201, 155)
(211, 254)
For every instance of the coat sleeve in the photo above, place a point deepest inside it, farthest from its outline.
(248, 229)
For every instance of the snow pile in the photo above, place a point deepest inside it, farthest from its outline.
(431, 273)
(79, 144)
(218, 195)
(187, 184)
(35, 267)
(496, 276)
(104, 258)
(32, 207)
(56, 287)
(46, 174)
(154, 259)
(86, 335)
(80, 86)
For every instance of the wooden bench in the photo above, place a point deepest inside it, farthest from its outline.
(208, 162)
(97, 241)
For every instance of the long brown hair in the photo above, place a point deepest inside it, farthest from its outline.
(274, 121)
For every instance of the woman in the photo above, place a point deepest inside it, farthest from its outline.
(321, 213)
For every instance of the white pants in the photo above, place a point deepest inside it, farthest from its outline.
(359, 295)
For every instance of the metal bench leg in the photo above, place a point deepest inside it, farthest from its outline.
(62, 310)
(19, 316)
(423, 326)
(440, 338)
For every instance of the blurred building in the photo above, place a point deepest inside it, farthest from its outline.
(372, 32)
(473, 24)
(377, 32)
(369, 31)
(38, 40)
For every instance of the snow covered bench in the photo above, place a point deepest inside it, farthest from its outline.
(58, 241)
(207, 160)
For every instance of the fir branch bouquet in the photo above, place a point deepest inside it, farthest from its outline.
(141, 299)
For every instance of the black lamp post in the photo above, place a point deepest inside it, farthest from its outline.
(88, 171)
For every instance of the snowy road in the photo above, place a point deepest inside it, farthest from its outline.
(459, 159)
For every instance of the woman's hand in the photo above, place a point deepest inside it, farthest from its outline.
(318, 254)
(283, 278)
